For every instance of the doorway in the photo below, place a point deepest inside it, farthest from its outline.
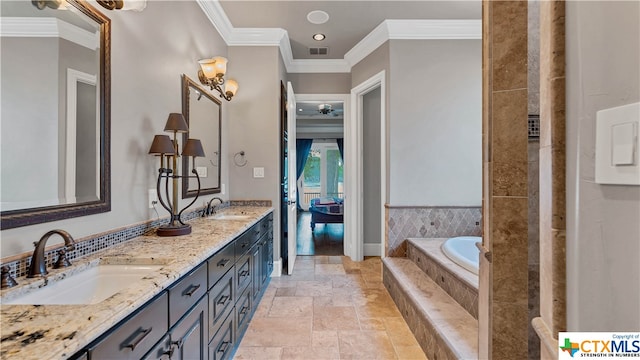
(320, 134)
(366, 173)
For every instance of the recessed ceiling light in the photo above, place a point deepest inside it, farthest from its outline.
(317, 17)
(318, 37)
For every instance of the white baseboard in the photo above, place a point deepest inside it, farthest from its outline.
(277, 268)
(371, 249)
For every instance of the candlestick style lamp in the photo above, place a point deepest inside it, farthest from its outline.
(163, 146)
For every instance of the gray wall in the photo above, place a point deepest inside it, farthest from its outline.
(371, 103)
(254, 126)
(143, 94)
(29, 110)
(330, 83)
(603, 234)
(435, 123)
(86, 143)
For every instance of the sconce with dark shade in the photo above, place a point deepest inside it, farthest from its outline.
(212, 73)
(135, 5)
(162, 146)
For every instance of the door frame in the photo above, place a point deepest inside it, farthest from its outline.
(353, 149)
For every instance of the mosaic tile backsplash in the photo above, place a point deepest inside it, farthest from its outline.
(429, 222)
(102, 241)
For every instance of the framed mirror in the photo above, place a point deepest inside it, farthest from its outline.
(203, 113)
(55, 113)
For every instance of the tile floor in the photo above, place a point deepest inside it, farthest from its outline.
(330, 308)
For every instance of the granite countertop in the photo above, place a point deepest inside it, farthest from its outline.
(59, 331)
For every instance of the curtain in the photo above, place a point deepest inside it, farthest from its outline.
(340, 142)
(303, 148)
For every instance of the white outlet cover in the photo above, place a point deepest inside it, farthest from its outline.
(617, 145)
(202, 171)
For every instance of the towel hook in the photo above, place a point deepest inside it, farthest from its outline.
(242, 161)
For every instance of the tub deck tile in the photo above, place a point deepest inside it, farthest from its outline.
(443, 328)
(459, 283)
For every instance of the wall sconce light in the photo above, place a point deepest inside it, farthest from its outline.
(211, 74)
(53, 4)
(163, 146)
(135, 5)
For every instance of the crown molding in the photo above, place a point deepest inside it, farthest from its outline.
(48, 27)
(388, 29)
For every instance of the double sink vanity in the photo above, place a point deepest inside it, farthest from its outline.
(187, 297)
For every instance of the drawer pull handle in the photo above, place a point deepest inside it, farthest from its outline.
(244, 273)
(139, 340)
(192, 290)
(223, 262)
(243, 245)
(223, 347)
(223, 299)
(244, 310)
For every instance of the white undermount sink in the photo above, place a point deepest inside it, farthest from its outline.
(90, 286)
(230, 217)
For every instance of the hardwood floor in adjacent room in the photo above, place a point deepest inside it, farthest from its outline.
(326, 239)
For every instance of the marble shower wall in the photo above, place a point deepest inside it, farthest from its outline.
(428, 222)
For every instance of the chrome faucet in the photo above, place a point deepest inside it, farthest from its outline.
(210, 210)
(38, 265)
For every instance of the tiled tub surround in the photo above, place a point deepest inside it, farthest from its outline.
(428, 222)
(459, 283)
(29, 332)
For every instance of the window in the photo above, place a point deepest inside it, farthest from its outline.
(323, 173)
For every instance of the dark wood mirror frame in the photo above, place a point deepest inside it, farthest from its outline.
(31, 216)
(187, 83)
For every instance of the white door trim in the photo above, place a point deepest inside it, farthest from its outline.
(73, 78)
(353, 148)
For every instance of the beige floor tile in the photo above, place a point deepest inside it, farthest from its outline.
(365, 345)
(410, 353)
(324, 338)
(399, 332)
(330, 308)
(278, 332)
(287, 291)
(330, 269)
(291, 306)
(310, 353)
(314, 288)
(372, 324)
(335, 318)
(258, 353)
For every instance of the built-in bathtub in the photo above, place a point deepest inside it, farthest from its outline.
(463, 251)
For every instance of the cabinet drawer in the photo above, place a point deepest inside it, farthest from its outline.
(243, 311)
(186, 292)
(220, 263)
(224, 340)
(243, 273)
(221, 300)
(137, 336)
(243, 243)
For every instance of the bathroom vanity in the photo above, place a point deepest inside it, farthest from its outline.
(195, 305)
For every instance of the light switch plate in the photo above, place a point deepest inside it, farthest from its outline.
(617, 144)
(258, 172)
